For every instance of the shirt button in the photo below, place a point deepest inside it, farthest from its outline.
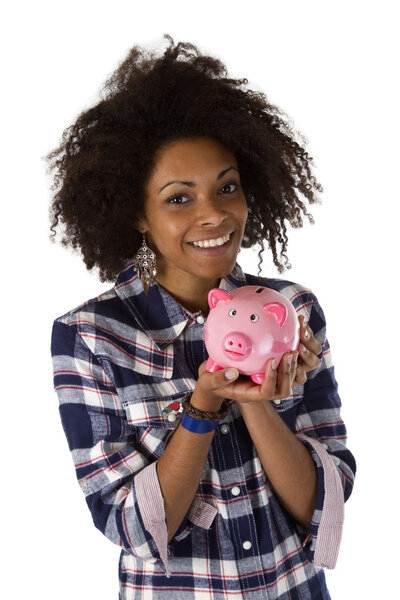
(247, 545)
(235, 491)
(277, 402)
(225, 428)
(200, 319)
(172, 418)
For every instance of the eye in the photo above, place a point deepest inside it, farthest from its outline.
(254, 318)
(177, 199)
(229, 188)
(232, 312)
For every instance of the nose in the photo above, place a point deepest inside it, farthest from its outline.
(237, 345)
(211, 213)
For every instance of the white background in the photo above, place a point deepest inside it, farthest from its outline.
(332, 66)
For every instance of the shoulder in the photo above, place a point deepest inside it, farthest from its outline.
(101, 305)
(102, 322)
(297, 293)
(302, 297)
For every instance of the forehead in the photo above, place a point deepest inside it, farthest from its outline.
(191, 155)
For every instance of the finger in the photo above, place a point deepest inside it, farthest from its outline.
(295, 356)
(217, 380)
(268, 386)
(300, 377)
(308, 359)
(307, 337)
(220, 379)
(210, 388)
(285, 376)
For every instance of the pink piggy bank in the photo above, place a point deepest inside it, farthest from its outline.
(248, 326)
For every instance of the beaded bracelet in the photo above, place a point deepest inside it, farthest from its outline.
(202, 415)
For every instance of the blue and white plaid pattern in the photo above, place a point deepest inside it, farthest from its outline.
(119, 360)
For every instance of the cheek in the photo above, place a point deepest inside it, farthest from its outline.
(242, 214)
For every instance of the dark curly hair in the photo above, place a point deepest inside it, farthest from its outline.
(105, 158)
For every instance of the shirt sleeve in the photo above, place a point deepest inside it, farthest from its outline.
(118, 482)
(320, 427)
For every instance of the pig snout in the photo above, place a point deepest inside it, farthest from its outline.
(237, 345)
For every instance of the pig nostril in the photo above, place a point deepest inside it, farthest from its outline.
(231, 343)
(240, 345)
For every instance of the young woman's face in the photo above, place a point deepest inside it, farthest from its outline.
(195, 210)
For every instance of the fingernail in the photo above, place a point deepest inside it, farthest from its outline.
(305, 323)
(289, 361)
(273, 365)
(306, 334)
(295, 356)
(231, 374)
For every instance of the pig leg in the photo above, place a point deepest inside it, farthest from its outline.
(258, 378)
(211, 366)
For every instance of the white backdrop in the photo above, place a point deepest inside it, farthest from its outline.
(332, 66)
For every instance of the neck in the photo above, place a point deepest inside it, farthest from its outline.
(193, 299)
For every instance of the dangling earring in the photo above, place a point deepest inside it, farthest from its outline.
(145, 265)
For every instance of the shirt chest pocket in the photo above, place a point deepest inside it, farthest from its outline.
(152, 419)
(159, 412)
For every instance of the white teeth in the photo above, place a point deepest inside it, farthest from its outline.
(214, 242)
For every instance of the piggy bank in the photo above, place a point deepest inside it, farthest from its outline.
(248, 326)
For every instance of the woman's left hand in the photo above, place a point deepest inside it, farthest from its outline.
(308, 350)
(278, 383)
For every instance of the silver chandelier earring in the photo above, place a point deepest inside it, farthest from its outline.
(145, 265)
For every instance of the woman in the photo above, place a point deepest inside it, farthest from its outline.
(161, 183)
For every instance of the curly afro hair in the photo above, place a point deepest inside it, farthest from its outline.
(105, 158)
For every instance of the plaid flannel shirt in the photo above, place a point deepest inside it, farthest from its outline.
(119, 360)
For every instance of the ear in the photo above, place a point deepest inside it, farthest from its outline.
(278, 310)
(217, 295)
(141, 225)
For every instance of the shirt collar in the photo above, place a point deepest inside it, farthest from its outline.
(158, 314)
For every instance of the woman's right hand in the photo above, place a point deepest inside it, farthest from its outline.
(208, 394)
(212, 388)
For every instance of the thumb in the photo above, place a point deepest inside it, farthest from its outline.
(224, 376)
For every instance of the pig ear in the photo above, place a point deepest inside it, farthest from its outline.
(217, 295)
(278, 310)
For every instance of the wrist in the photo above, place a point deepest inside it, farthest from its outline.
(196, 426)
(206, 402)
(257, 407)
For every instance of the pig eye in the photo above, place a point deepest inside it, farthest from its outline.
(232, 312)
(254, 318)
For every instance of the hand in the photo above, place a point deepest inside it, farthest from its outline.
(209, 392)
(308, 350)
(212, 388)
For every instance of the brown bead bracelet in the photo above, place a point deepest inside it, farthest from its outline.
(202, 415)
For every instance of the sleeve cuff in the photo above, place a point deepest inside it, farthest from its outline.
(201, 513)
(151, 506)
(331, 516)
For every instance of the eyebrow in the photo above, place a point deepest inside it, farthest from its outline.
(192, 184)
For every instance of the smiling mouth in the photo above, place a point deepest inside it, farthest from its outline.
(235, 353)
(213, 243)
